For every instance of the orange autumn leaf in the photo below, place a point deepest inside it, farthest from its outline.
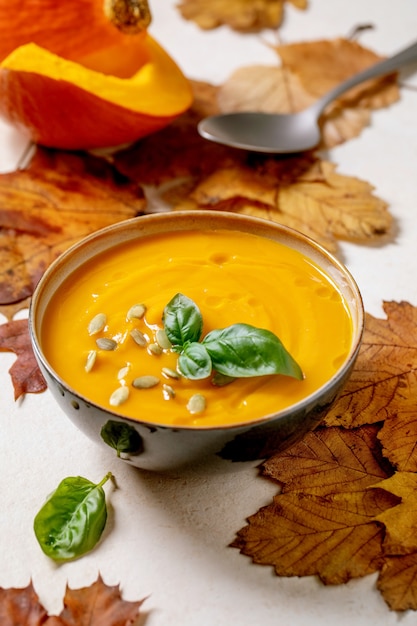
(25, 374)
(46, 208)
(96, 605)
(241, 15)
(309, 70)
(323, 522)
(383, 384)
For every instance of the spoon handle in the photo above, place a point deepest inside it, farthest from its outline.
(387, 66)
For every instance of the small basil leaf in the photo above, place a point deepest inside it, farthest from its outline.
(122, 437)
(194, 362)
(182, 320)
(242, 350)
(72, 519)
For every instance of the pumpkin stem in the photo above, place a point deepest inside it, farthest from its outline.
(129, 16)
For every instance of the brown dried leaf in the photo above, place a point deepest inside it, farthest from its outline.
(330, 460)
(324, 520)
(59, 199)
(241, 15)
(397, 582)
(308, 71)
(312, 198)
(25, 374)
(96, 605)
(304, 535)
(383, 384)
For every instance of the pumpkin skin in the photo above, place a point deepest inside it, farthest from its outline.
(70, 28)
(84, 92)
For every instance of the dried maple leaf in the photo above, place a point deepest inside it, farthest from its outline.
(96, 605)
(21, 606)
(323, 522)
(25, 374)
(241, 15)
(308, 71)
(44, 209)
(383, 384)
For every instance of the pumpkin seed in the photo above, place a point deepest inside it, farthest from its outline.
(97, 323)
(137, 311)
(155, 349)
(170, 373)
(168, 392)
(91, 359)
(119, 396)
(145, 382)
(123, 372)
(196, 404)
(138, 337)
(162, 339)
(105, 343)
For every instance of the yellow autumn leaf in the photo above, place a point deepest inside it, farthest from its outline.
(401, 521)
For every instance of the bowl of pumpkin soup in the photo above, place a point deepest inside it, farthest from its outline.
(181, 337)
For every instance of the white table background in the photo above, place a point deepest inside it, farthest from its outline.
(167, 536)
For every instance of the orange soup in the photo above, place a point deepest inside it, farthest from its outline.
(233, 277)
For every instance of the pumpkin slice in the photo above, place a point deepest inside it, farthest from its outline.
(62, 104)
(70, 28)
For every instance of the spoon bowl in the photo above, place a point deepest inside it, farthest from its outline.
(290, 133)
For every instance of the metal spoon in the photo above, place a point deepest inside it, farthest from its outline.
(272, 132)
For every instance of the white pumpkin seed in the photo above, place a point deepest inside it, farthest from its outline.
(119, 396)
(162, 339)
(91, 359)
(155, 349)
(137, 311)
(170, 373)
(138, 337)
(145, 382)
(168, 392)
(123, 372)
(97, 323)
(196, 404)
(105, 343)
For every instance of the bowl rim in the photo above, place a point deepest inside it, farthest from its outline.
(191, 219)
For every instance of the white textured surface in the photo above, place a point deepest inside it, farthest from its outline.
(167, 536)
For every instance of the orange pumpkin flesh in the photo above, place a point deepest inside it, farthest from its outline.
(62, 104)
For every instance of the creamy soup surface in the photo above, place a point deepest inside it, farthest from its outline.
(233, 277)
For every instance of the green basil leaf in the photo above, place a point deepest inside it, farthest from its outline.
(122, 437)
(183, 322)
(194, 361)
(242, 350)
(72, 519)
